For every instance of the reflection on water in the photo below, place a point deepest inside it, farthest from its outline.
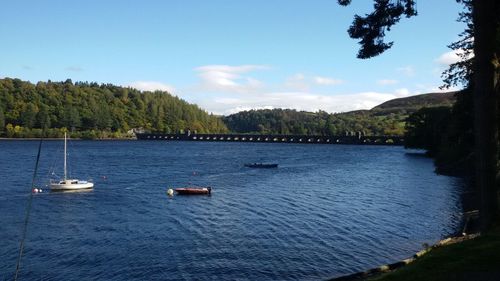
(326, 210)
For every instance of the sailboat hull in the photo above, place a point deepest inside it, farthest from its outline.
(71, 185)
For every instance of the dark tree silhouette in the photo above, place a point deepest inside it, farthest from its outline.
(460, 72)
(486, 91)
(425, 127)
(371, 28)
(485, 78)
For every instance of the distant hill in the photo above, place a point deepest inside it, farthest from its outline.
(387, 118)
(413, 103)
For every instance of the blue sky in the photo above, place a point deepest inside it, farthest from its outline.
(228, 55)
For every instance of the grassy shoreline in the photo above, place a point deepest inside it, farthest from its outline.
(467, 255)
(470, 257)
(474, 259)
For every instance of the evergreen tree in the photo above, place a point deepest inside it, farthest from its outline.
(87, 107)
(485, 24)
(2, 120)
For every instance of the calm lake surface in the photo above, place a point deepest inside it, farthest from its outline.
(327, 210)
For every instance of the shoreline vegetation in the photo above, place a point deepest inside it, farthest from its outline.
(445, 260)
(472, 258)
(92, 111)
(78, 139)
(85, 135)
(469, 257)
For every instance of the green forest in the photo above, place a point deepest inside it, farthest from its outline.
(289, 121)
(388, 118)
(91, 110)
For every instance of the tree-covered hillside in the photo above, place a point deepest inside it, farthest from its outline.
(288, 121)
(94, 110)
(385, 119)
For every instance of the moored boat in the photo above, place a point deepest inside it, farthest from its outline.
(70, 184)
(66, 184)
(261, 165)
(193, 190)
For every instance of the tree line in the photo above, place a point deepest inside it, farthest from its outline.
(446, 133)
(293, 122)
(94, 110)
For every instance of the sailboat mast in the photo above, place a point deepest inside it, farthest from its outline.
(65, 176)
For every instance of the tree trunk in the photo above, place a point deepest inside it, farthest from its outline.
(485, 109)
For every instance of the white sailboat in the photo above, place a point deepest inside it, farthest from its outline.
(69, 184)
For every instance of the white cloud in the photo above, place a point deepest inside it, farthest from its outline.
(450, 57)
(434, 89)
(243, 108)
(302, 83)
(446, 59)
(450, 89)
(228, 78)
(297, 82)
(385, 82)
(300, 101)
(407, 70)
(225, 89)
(403, 92)
(151, 86)
(327, 81)
(237, 80)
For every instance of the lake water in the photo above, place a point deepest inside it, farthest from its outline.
(328, 210)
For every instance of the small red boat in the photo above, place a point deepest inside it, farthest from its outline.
(193, 190)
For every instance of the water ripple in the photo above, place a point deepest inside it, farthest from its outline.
(326, 211)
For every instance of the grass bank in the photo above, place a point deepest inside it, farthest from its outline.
(476, 259)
